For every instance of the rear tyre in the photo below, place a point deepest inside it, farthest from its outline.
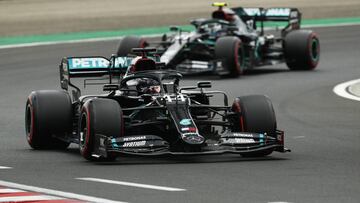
(99, 116)
(302, 50)
(130, 42)
(230, 51)
(255, 114)
(48, 113)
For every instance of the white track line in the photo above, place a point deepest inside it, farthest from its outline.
(139, 185)
(102, 39)
(29, 198)
(57, 193)
(5, 167)
(7, 190)
(98, 39)
(342, 90)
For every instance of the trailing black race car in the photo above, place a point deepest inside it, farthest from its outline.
(144, 111)
(230, 42)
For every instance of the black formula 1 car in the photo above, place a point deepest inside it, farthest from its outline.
(144, 111)
(233, 41)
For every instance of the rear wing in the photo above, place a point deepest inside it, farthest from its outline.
(91, 66)
(290, 15)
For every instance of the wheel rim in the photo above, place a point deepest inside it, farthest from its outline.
(315, 49)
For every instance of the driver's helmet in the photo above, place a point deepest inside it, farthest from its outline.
(224, 14)
(148, 86)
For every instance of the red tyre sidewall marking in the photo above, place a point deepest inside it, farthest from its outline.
(86, 150)
(236, 106)
(237, 62)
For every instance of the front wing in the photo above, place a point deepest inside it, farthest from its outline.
(152, 145)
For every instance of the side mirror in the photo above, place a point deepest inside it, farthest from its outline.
(64, 76)
(204, 84)
(174, 28)
(111, 87)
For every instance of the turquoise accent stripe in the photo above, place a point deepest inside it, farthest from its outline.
(113, 142)
(261, 140)
(61, 37)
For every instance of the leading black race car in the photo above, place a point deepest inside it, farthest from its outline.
(144, 111)
(230, 42)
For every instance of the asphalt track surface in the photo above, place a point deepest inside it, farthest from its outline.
(321, 128)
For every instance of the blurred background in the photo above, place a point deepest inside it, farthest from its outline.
(29, 17)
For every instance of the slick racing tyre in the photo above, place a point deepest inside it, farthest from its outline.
(302, 50)
(255, 114)
(99, 116)
(230, 51)
(48, 115)
(130, 42)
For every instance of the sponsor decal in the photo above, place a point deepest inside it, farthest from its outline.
(122, 62)
(245, 135)
(134, 144)
(244, 140)
(97, 62)
(252, 11)
(189, 129)
(126, 139)
(88, 63)
(278, 12)
(185, 121)
(241, 138)
(239, 141)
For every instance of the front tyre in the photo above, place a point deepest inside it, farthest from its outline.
(99, 116)
(48, 115)
(302, 50)
(255, 114)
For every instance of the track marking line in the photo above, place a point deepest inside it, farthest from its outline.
(7, 190)
(342, 90)
(58, 194)
(139, 185)
(5, 167)
(98, 39)
(29, 198)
